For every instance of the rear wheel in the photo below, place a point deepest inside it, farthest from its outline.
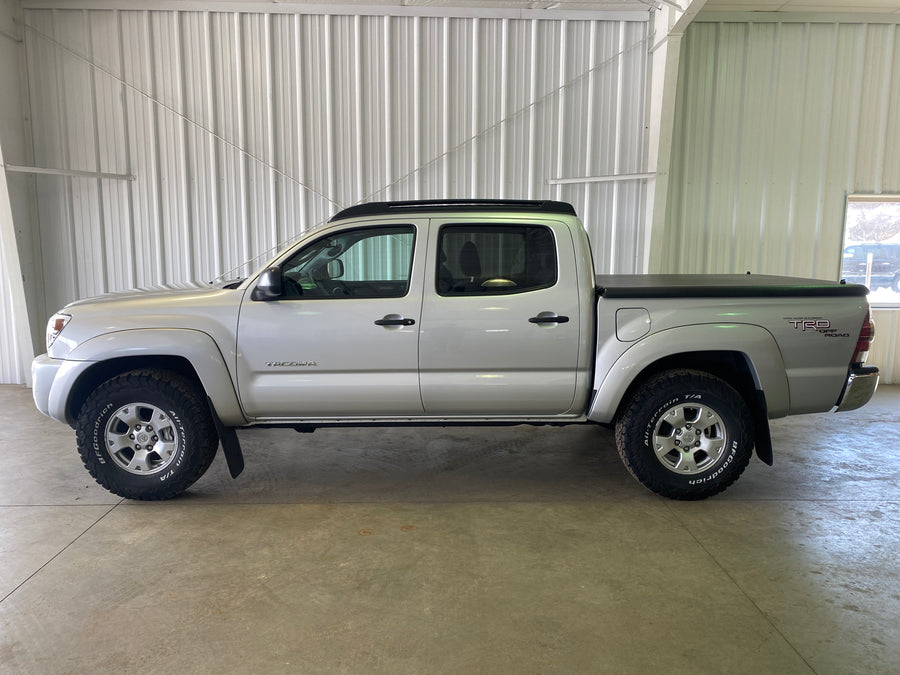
(685, 434)
(146, 435)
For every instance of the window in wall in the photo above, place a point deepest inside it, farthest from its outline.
(495, 259)
(362, 263)
(871, 251)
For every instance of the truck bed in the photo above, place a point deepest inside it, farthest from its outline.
(720, 286)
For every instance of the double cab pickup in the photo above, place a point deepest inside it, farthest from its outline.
(453, 312)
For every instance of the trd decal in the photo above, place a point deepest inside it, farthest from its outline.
(815, 325)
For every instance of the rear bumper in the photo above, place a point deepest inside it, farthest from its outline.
(861, 386)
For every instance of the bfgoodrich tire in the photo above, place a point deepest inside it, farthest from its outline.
(685, 434)
(146, 435)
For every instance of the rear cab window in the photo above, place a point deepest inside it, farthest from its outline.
(495, 259)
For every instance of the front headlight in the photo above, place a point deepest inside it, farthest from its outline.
(54, 327)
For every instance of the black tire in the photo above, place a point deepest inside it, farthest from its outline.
(685, 434)
(146, 434)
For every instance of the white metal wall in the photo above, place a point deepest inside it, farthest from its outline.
(244, 129)
(776, 122)
(15, 280)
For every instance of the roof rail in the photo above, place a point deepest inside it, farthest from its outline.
(418, 206)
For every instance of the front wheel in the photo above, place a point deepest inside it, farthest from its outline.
(685, 434)
(146, 435)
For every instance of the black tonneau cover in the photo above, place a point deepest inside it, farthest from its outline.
(720, 286)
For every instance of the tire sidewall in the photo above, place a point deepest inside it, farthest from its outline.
(636, 426)
(188, 461)
(101, 452)
(711, 476)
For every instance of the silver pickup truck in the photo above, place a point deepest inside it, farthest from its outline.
(453, 313)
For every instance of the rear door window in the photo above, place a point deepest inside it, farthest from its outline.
(487, 259)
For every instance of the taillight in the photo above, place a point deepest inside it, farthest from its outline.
(866, 335)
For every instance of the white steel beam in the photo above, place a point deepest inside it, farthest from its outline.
(608, 11)
(9, 252)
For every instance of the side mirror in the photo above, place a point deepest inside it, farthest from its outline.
(268, 286)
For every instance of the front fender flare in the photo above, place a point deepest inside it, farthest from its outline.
(196, 347)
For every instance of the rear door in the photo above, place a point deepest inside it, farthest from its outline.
(500, 319)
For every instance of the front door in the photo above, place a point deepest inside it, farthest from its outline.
(342, 339)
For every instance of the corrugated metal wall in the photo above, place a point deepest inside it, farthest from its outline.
(13, 150)
(243, 130)
(776, 123)
(885, 351)
(12, 370)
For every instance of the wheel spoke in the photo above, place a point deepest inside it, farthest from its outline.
(712, 447)
(686, 463)
(165, 450)
(675, 417)
(707, 418)
(118, 442)
(139, 462)
(664, 444)
(128, 416)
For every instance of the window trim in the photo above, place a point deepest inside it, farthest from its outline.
(407, 229)
(495, 225)
(856, 198)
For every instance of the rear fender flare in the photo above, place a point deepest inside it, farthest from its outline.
(756, 344)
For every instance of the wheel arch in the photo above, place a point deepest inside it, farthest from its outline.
(733, 367)
(190, 353)
(101, 371)
(745, 356)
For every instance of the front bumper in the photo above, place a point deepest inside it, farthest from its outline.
(53, 380)
(861, 385)
(43, 373)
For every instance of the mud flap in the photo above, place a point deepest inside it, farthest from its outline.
(231, 447)
(762, 437)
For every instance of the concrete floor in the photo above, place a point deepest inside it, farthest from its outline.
(512, 550)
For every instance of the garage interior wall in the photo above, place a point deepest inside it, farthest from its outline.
(777, 120)
(16, 205)
(222, 135)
